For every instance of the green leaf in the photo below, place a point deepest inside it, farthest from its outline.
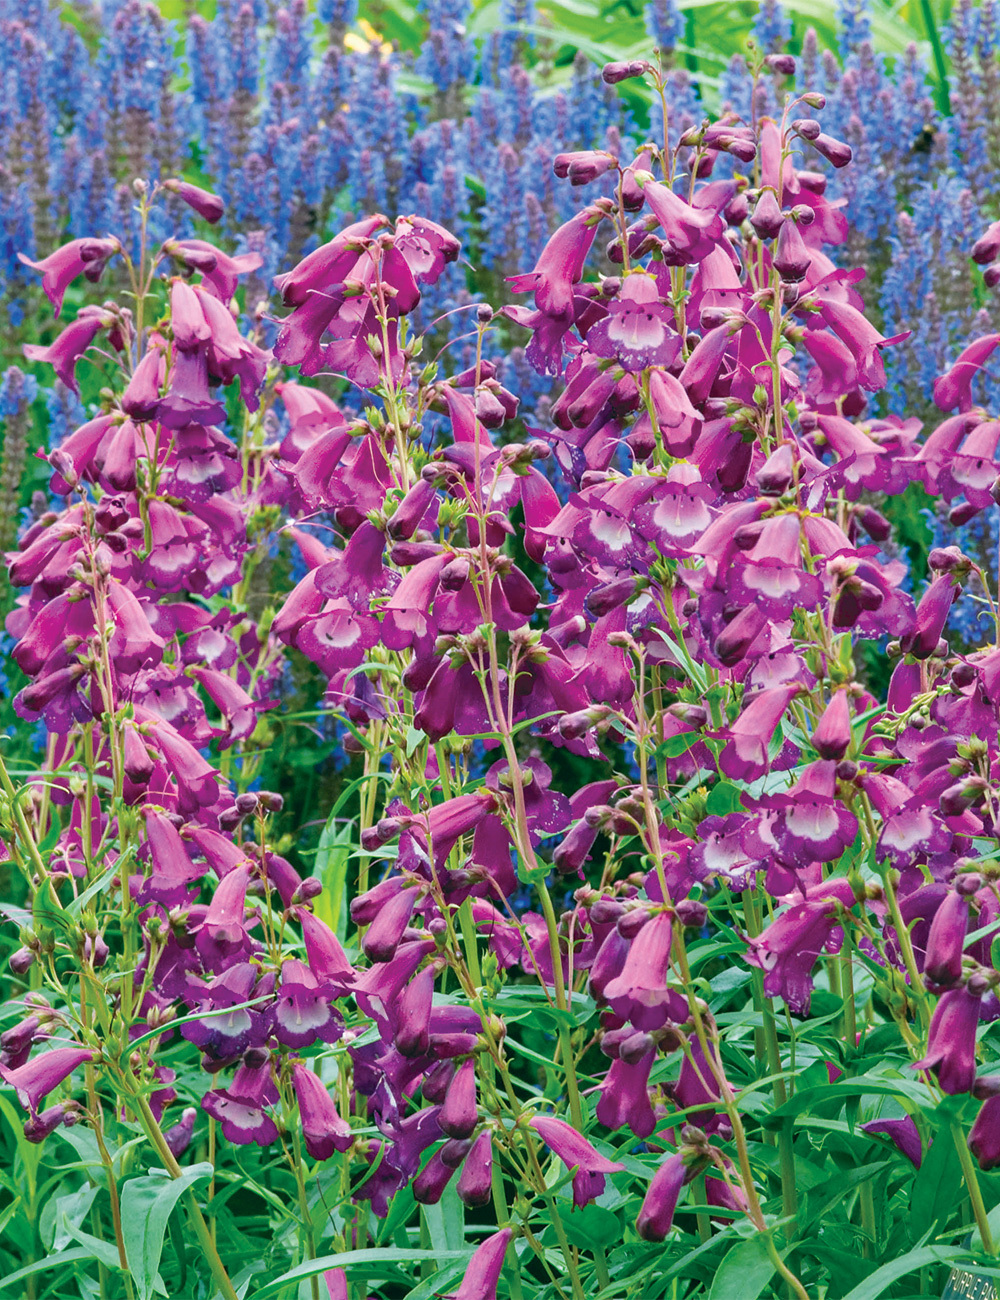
(385, 1261)
(330, 867)
(744, 1272)
(435, 1285)
(884, 1277)
(863, 1085)
(147, 1203)
(446, 1221)
(724, 798)
(74, 1256)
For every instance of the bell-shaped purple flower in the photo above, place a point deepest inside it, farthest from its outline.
(460, 1114)
(951, 1041)
(946, 940)
(322, 1126)
(656, 1215)
(576, 1153)
(640, 992)
(903, 1133)
(240, 1107)
(984, 1136)
(790, 946)
(483, 1272)
(475, 1184)
(34, 1080)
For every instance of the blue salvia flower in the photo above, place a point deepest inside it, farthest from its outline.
(665, 24)
(854, 26)
(772, 28)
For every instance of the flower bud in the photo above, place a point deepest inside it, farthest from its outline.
(782, 64)
(767, 218)
(460, 1114)
(836, 152)
(475, 1186)
(613, 73)
(691, 912)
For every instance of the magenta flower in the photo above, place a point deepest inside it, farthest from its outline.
(946, 940)
(241, 1108)
(207, 205)
(483, 1273)
(691, 232)
(922, 639)
(832, 734)
(640, 993)
(475, 1184)
(639, 328)
(560, 266)
(577, 1154)
(303, 1012)
(789, 947)
(624, 1099)
(68, 347)
(860, 336)
(460, 1114)
(324, 1130)
(951, 1043)
(78, 257)
(656, 1215)
(223, 933)
(955, 387)
(745, 756)
(36, 1079)
(903, 1134)
(984, 1136)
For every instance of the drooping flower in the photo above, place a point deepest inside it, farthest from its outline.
(322, 1127)
(577, 1153)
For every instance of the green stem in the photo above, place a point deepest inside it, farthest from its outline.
(309, 1242)
(972, 1186)
(201, 1231)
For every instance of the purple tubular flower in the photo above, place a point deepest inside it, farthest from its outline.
(38, 1127)
(832, 735)
(178, 1136)
(428, 1186)
(483, 1272)
(222, 933)
(656, 1215)
(745, 754)
(640, 992)
(460, 1114)
(951, 1041)
(984, 1136)
(946, 940)
(932, 615)
(625, 1097)
(414, 1014)
(207, 205)
(789, 947)
(328, 265)
(576, 1152)
(955, 387)
(303, 1012)
(327, 959)
(560, 266)
(240, 1108)
(385, 932)
(475, 1185)
(322, 1126)
(78, 257)
(68, 347)
(903, 1133)
(36, 1079)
